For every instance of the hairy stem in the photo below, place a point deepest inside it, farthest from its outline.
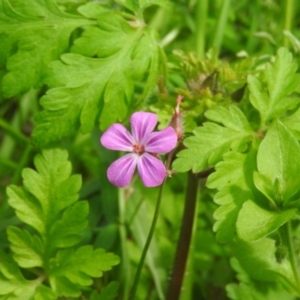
(292, 255)
(184, 241)
(147, 244)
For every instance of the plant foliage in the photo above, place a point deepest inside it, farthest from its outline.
(70, 69)
(48, 204)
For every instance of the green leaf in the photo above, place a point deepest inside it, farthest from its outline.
(276, 161)
(292, 122)
(67, 231)
(233, 179)
(92, 10)
(14, 286)
(46, 202)
(46, 192)
(211, 141)
(281, 82)
(27, 207)
(78, 267)
(259, 260)
(27, 249)
(265, 185)
(44, 293)
(41, 32)
(255, 222)
(232, 118)
(85, 89)
(249, 289)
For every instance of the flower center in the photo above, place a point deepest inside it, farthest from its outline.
(139, 149)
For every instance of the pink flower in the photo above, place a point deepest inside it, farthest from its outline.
(143, 145)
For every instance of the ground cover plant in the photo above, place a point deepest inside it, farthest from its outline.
(149, 149)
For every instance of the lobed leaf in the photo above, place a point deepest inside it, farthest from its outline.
(46, 202)
(28, 249)
(14, 286)
(66, 232)
(85, 89)
(46, 191)
(281, 82)
(40, 33)
(233, 179)
(77, 267)
(211, 141)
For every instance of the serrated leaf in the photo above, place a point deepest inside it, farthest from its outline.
(281, 82)
(211, 141)
(254, 222)
(78, 267)
(27, 249)
(281, 79)
(14, 286)
(85, 89)
(233, 179)
(67, 231)
(112, 29)
(48, 196)
(41, 33)
(27, 208)
(46, 191)
(232, 118)
(276, 161)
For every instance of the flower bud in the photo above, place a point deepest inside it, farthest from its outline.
(176, 121)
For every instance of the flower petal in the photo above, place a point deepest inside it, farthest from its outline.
(161, 141)
(142, 124)
(151, 170)
(120, 172)
(116, 137)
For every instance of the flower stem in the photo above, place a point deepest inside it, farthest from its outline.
(292, 255)
(125, 266)
(148, 241)
(184, 241)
